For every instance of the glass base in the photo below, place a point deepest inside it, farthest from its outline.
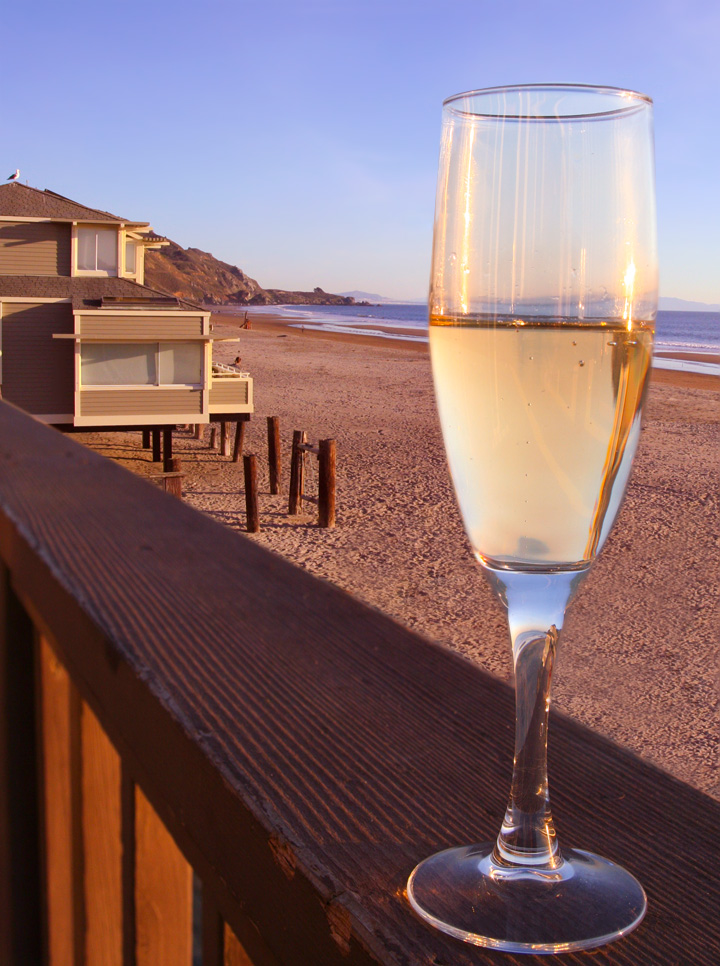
(584, 902)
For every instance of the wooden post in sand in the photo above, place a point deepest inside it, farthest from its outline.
(167, 448)
(173, 484)
(156, 445)
(239, 439)
(146, 439)
(326, 483)
(296, 473)
(224, 441)
(251, 501)
(213, 437)
(199, 430)
(273, 433)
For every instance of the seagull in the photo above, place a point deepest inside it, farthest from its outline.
(14, 177)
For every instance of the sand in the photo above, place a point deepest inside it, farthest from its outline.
(638, 658)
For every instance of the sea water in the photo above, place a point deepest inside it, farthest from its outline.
(676, 333)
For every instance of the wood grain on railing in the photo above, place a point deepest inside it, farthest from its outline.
(301, 750)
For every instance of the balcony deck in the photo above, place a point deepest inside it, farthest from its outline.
(159, 674)
(231, 391)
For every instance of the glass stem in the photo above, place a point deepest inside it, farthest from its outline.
(536, 605)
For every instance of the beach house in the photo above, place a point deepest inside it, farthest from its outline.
(83, 342)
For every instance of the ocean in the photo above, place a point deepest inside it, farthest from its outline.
(676, 332)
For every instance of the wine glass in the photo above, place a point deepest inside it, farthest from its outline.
(542, 305)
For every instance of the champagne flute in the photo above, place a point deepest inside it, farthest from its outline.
(542, 306)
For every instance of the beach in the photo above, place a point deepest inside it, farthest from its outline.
(638, 658)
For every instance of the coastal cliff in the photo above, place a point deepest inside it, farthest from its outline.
(200, 277)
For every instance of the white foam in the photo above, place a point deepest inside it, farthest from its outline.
(356, 330)
(686, 365)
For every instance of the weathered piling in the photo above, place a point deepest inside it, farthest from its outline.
(296, 473)
(239, 439)
(326, 483)
(273, 434)
(167, 447)
(173, 478)
(251, 500)
(325, 500)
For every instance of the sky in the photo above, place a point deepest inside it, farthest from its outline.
(299, 141)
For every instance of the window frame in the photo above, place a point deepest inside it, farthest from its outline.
(130, 243)
(143, 387)
(96, 272)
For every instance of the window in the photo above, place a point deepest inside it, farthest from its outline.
(141, 364)
(97, 250)
(130, 260)
(180, 363)
(118, 365)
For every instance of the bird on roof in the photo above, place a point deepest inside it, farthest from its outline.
(14, 177)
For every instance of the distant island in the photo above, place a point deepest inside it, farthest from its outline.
(372, 298)
(668, 304)
(189, 273)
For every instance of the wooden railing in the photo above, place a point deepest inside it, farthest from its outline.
(176, 700)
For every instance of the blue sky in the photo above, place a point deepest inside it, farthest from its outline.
(300, 140)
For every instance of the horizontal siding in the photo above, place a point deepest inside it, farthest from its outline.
(133, 402)
(38, 372)
(133, 326)
(34, 248)
(228, 391)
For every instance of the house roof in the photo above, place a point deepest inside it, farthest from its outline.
(91, 293)
(20, 201)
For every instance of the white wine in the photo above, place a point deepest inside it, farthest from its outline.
(541, 421)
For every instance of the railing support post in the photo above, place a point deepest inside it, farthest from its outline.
(21, 905)
(127, 831)
(213, 951)
(163, 891)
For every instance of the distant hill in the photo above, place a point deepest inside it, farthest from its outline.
(196, 275)
(367, 296)
(667, 304)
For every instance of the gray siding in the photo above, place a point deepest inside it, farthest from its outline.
(38, 372)
(134, 326)
(34, 248)
(140, 402)
(229, 392)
